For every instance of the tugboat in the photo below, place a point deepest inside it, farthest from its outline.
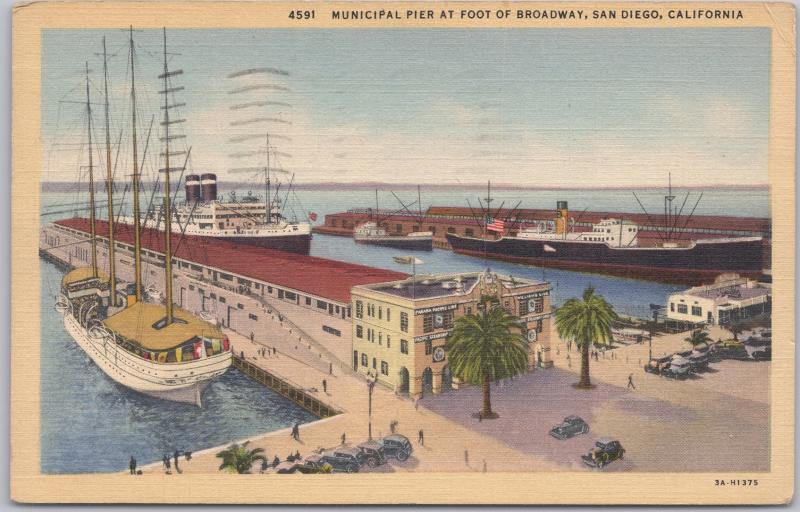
(155, 349)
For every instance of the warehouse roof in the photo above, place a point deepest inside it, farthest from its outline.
(321, 277)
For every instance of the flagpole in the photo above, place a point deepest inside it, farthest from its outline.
(413, 278)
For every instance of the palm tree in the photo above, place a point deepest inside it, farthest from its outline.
(587, 321)
(698, 338)
(487, 346)
(237, 458)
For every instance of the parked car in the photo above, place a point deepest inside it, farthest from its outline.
(397, 446)
(758, 349)
(570, 427)
(658, 365)
(286, 467)
(604, 451)
(373, 453)
(698, 361)
(679, 368)
(731, 349)
(344, 459)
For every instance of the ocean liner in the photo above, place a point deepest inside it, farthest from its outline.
(241, 221)
(614, 246)
(155, 349)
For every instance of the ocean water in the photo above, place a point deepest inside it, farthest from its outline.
(91, 424)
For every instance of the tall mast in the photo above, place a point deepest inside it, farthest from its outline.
(167, 209)
(266, 185)
(419, 206)
(91, 177)
(137, 235)
(112, 279)
(376, 207)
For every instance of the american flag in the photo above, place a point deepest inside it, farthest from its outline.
(495, 225)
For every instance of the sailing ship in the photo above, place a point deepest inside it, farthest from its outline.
(375, 232)
(614, 246)
(155, 349)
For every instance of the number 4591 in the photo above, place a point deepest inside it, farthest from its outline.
(301, 15)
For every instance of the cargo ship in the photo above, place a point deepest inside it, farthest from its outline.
(613, 246)
(242, 221)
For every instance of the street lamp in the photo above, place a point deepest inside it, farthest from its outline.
(370, 387)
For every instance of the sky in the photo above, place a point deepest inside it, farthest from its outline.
(547, 107)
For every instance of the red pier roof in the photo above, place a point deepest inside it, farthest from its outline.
(322, 277)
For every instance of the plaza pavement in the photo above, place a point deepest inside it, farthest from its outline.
(718, 420)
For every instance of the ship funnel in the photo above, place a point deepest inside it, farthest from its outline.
(562, 217)
(208, 184)
(192, 188)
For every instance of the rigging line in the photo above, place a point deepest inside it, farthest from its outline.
(474, 216)
(678, 216)
(692, 212)
(649, 219)
(286, 197)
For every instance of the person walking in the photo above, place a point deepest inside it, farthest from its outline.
(421, 438)
(393, 426)
(167, 464)
(344, 437)
(132, 465)
(330, 368)
(324, 386)
(630, 381)
(175, 461)
(466, 458)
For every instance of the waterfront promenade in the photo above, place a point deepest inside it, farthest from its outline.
(715, 421)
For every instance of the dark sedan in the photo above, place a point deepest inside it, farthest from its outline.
(604, 451)
(570, 427)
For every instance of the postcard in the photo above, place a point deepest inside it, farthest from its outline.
(403, 252)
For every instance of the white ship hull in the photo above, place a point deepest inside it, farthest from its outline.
(178, 382)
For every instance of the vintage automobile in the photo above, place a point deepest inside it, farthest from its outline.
(373, 453)
(731, 349)
(344, 459)
(758, 349)
(397, 446)
(604, 451)
(698, 361)
(658, 365)
(679, 368)
(570, 427)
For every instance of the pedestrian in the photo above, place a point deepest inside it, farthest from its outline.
(466, 457)
(344, 437)
(330, 368)
(175, 460)
(393, 426)
(132, 465)
(264, 465)
(167, 464)
(324, 386)
(630, 381)
(276, 461)
(484, 465)
(297, 455)
(252, 337)
(421, 438)
(242, 354)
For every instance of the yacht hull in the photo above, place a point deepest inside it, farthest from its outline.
(177, 382)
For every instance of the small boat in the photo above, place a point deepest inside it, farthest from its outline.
(372, 234)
